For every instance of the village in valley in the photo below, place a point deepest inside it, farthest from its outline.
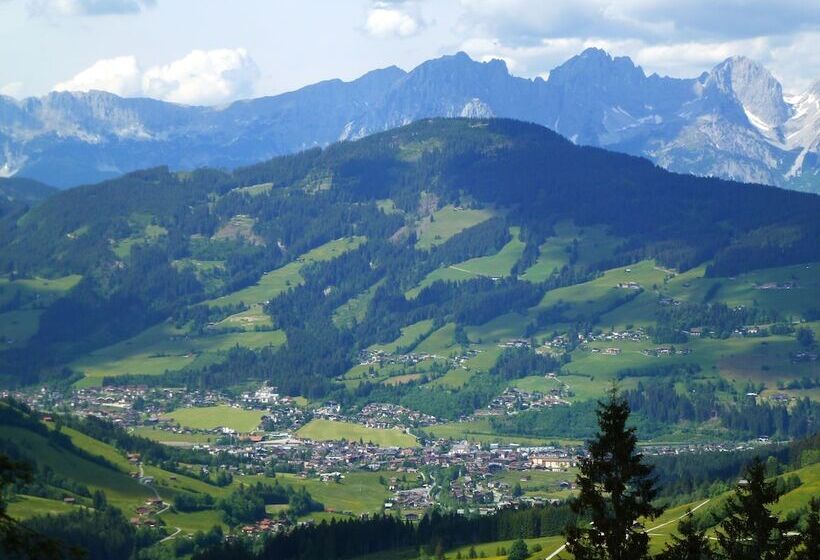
(281, 435)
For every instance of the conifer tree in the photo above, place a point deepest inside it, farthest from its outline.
(749, 531)
(616, 489)
(692, 544)
(810, 542)
(518, 550)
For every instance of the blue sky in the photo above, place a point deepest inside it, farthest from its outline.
(215, 51)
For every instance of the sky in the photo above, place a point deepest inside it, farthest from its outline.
(211, 52)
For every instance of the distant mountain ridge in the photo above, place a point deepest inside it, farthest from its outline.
(732, 122)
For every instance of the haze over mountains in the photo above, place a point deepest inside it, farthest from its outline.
(731, 122)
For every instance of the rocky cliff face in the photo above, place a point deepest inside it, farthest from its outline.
(731, 122)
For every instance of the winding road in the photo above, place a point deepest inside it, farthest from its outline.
(164, 509)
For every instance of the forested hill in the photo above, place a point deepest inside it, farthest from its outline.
(681, 219)
(17, 193)
(144, 245)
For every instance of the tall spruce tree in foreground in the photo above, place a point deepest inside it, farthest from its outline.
(692, 544)
(616, 489)
(749, 530)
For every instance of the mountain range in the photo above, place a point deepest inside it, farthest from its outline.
(731, 122)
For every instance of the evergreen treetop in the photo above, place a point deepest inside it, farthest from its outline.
(616, 490)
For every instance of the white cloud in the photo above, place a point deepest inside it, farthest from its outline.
(669, 37)
(693, 20)
(395, 19)
(199, 78)
(12, 89)
(203, 77)
(690, 58)
(120, 75)
(56, 8)
(794, 61)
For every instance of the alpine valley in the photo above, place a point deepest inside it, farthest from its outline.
(731, 122)
(394, 347)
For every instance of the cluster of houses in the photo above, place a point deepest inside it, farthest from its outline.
(561, 343)
(611, 351)
(420, 498)
(515, 343)
(662, 351)
(381, 358)
(385, 415)
(377, 415)
(476, 491)
(146, 513)
(554, 461)
(116, 404)
(630, 335)
(266, 526)
(340, 456)
(514, 400)
(266, 396)
(376, 359)
(556, 346)
(698, 448)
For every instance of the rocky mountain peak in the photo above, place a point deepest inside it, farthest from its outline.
(461, 65)
(596, 65)
(754, 87)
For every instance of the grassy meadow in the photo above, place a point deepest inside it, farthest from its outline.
(329, 430)
(277, 281)
(211, 417)
(497, 265)
(447, 222)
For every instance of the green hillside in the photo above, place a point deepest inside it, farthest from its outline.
(434, 266)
